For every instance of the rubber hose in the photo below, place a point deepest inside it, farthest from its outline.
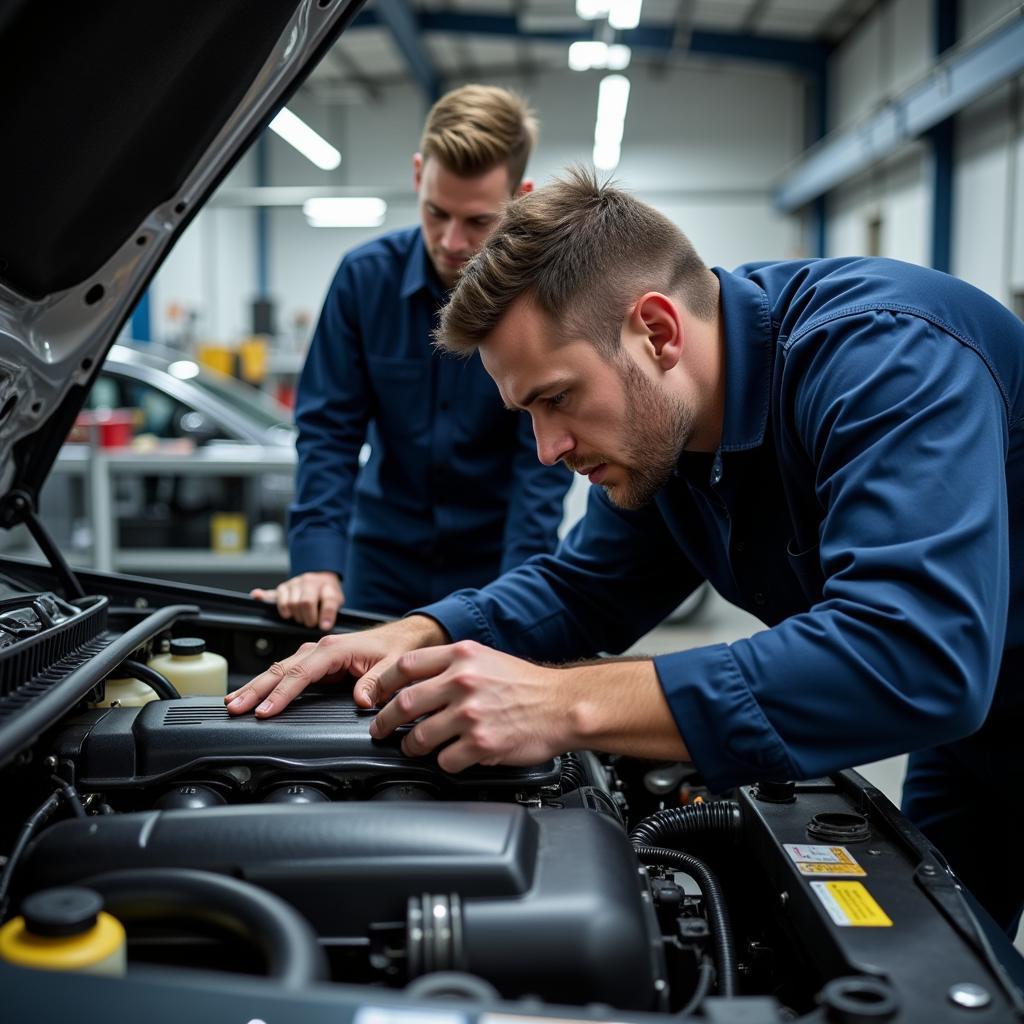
(720, 817)
(572, 773)
(706, 973)
(35, 822)
(287, 940)
(717, 911)
(156, 681)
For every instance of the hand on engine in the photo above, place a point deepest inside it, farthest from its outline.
(498, 709)
(311, 598)
(362, 655)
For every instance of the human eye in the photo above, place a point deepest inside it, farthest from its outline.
(557, 401)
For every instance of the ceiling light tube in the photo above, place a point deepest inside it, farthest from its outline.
(612, 100)
(297, 133)
(345, 212)
(591, 10)
(587, 54)
(624, 14)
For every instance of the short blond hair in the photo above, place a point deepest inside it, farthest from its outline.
(477, 127)
(582, 252)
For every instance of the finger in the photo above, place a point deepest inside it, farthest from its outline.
(431, 732)
(424, 663)
(330, 602)
(264, 595)
(307, 603)
(285, 599)
(247, 697)
(409, 704)
(459, 756)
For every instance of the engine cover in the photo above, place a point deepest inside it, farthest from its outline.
(548, 902)
(129, 747)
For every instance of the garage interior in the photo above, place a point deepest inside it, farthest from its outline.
(766, 129)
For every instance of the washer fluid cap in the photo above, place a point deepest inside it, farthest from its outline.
(186, 645)
(59, 912)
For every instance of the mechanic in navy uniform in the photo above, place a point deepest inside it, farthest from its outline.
(452, 494)
(836, 444)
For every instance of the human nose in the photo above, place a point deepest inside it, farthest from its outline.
(552, 444)
(454, 237)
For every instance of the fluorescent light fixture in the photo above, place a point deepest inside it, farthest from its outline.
(345, 212)
(612, 100)
(623, 14)
(591, 10)
(313, 147)
(588, 53)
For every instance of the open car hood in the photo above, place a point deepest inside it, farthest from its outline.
(120, 119)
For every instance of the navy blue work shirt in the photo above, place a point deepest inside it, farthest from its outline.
(453, 485)
(866, 502)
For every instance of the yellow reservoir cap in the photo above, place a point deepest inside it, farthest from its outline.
(100, 950)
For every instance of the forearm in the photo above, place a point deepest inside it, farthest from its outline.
(618, 707)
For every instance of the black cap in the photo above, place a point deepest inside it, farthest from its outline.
(69, 910)
(188, 645)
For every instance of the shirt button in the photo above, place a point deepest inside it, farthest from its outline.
(760, 600)
(716, 470)
(739, 546)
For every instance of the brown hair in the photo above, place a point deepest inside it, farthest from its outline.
(582, 252)
(477, 127)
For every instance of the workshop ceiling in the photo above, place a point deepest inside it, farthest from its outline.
(461, 40)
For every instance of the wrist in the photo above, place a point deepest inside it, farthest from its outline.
(421, 631)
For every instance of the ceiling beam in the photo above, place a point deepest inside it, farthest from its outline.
(401, 20)
(947, 89)
(797, 53)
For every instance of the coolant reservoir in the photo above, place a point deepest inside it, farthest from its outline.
(194, 671)
(126, 693)
(65, 929)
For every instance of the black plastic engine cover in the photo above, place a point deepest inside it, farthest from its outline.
(120, 747)
(552, 901)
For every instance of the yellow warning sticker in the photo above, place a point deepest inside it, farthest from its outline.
(834, 861)
(850, 905)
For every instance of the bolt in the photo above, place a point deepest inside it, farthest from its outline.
(783, 898)
(262, 645)
(141, 602)
(51, 762)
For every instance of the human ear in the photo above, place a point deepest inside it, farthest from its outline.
(526, 185)
(417, 170)
(655, 315)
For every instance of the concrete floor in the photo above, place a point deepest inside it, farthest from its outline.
(719, 622)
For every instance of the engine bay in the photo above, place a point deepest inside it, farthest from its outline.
(302, 849)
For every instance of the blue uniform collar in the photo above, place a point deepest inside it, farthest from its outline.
(747, 323)
(419, 274)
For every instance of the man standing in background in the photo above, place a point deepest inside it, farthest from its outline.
(453, 493)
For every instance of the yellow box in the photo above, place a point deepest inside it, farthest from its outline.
(228, 532)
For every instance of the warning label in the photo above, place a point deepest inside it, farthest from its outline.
(833, 861)
(850, 905)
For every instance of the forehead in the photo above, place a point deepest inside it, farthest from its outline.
(484, 193)
(525, 351)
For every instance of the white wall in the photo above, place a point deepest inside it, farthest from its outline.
(703, 143)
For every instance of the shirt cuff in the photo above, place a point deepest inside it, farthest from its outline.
(726, 731)
(459, 615)
(322, 551)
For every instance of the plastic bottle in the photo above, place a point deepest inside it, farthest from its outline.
(126, 693)
(65, 929)
(194, 671)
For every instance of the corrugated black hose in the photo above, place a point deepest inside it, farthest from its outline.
(718, 818)
(716, 909)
